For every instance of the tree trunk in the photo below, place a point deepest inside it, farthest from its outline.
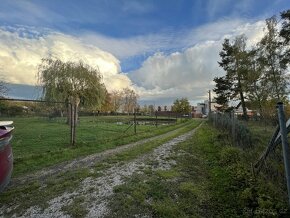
(69, 114)
(72, 116)
(75, 102)
(245, 115)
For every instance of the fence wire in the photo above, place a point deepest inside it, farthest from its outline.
(42, 128)
(240, 134)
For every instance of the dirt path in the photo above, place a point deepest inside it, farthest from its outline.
(84, 162)
(97, 191)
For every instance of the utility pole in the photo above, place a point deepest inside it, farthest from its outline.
(209, 102)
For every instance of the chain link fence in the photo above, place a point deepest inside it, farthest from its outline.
(239, 133)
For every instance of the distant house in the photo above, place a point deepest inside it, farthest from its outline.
(202, 109)
(213, 106)
(199, 110)
(239, 110)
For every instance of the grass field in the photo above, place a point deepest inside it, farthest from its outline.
(39, 193)
(40, 142)
(211, 178)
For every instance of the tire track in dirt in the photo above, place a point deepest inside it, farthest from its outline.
(96, 191)
(83, 162)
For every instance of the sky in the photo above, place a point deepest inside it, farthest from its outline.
(163, 49)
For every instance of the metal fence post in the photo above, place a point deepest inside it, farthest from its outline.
(74, 123)
(71, 124)
(135, 121)
(285, 146)
(233, 127)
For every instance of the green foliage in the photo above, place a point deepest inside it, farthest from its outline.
(285, 30)
(274, 61)
(223, 91)
(181, 106)
(69, 81)
(230, 155)
(234, 62)
(234, 191)
(258, 74)
(12, 110)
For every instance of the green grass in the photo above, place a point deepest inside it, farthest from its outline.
(212, 178)
(76, 208)
(36, 193)
(147, 147)
(40, 142)
(178, 192)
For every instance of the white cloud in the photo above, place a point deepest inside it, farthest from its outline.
(168, 40)
(18, 11)
(180, 74)
(21, 53)
(186, 73)
(121, 48)
(190, 73)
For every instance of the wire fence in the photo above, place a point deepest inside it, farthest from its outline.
(43, 127)
(265, 144)
(239, 133)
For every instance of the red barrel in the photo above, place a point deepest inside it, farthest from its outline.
(6, 155)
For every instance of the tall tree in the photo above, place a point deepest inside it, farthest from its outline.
(144, 109)
(107, 105)
(116, 98)
(223, 90)
(151, 109)
(73, 82)
(274, 60)
(285, 30)
(285, 34)
(233, 61)
(130, 98)
(181, 106)
(256, 83)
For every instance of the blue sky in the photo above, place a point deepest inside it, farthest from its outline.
(163, 36)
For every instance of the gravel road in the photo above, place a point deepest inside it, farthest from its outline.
(97, 191)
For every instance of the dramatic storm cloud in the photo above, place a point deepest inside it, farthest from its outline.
(22, 49)
(162, 49)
